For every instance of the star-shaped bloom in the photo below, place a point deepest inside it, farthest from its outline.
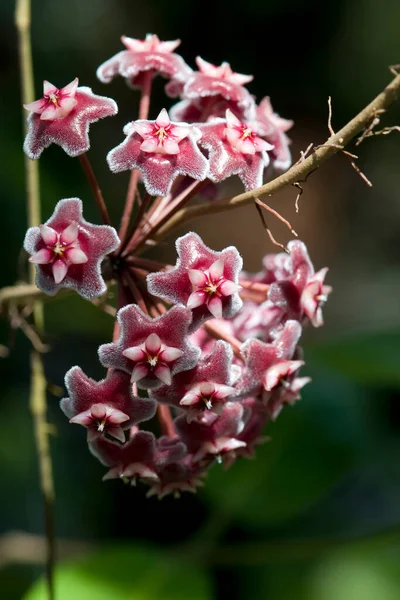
(63, 117)
(204, 280)
(302, 294)
(273, 128)
(235, 148)
(285, 394)
(176, 477)
(161, 150)
(271, 365)
(215, 81)
(146, 55)
(255, 418)
(135, 458)
(213, 435)
(105, 406)
(68, 251)
(206, 387)
(151, 350)
(141, 457)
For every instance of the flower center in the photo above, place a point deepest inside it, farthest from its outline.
(101, 425)
(53, 98)
(161, 133)
(247, 133)
(211, 288)
(152, 360)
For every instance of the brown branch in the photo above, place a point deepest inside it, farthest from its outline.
(299, 171)
(25, 293)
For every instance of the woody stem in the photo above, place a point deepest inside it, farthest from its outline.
(299, 171)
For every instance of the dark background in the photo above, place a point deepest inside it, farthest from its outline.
(317, 514)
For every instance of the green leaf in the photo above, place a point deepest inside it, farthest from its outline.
(126, 573)
(370, 358)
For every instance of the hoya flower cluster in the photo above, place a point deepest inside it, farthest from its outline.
(209, 349)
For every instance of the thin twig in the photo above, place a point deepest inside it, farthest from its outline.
(296, 172)
(265, 224)
(97, 193)
(18, 322)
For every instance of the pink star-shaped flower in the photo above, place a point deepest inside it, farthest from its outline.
(273, 129)
(206, 387)
(135, 458)
(176, 477)
(105, 406)
(211, 80)
(213, 435)
(151, 350)
(270, 365)
(68, 251)
(234, 149)
(288, 393)
(63, 117)
(161, 150)
(204, 280)
(146, 55)
(141, 457)
(303, 293)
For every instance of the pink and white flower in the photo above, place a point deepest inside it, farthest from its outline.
(206, 387)
(146, 55)
(175, 477)
(63, 117)
(213, 435)
(204, 280)
(215, 81)
(273, 129)
(151, 350)
(271, 365)
(135, 458)
(56, 103)
(235, 148)
(105, 406)
(302, 294)
(161, 150)
(152, 357)
(68, 251)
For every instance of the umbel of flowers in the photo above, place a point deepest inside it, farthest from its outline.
(208, 349)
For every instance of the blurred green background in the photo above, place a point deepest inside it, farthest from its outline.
(317, 515)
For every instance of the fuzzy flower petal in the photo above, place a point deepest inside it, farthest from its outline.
(146, 55)
(213, 435)
(234, 148)
(63, 118)
(191, 281)
(137, 331)
(134, 459)
(268, 365)
(206, 387)
(105, 406)
(302, 294)
(63, 260)
(215, 81)
(161, 150)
